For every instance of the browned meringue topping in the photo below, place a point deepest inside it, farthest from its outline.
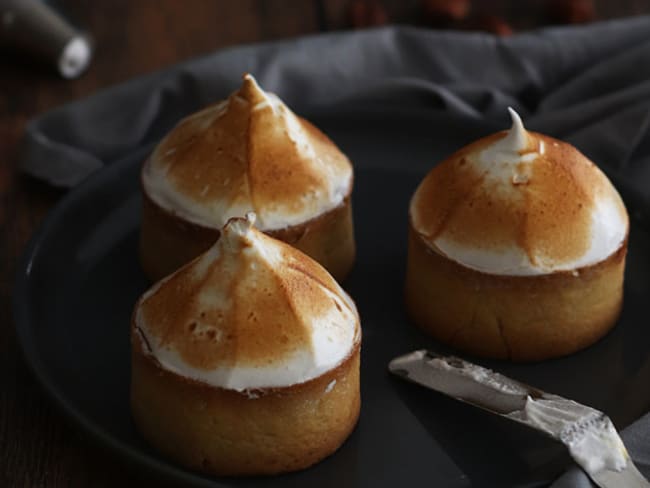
(519, 210)
(251, 312)
(247, 153)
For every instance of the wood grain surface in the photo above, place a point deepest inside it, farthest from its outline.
(37, 445)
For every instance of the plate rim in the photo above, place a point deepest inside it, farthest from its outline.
(23, 326)
(24, 322)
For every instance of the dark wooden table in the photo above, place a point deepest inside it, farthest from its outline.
(37, 446)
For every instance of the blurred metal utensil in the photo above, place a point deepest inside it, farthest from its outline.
(32, 27)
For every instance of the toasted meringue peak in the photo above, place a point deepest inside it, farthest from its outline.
(520, 203)
(517, 146)
(251, 91)
(517, 136)
(252, 312)
(236, 234)
(249, 153)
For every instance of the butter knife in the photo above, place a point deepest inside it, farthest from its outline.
(588, 434)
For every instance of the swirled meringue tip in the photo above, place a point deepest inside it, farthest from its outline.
(237, 231)
(254, 95)
(250, 313)
(520, 203)
(248, 153)
(517, 137)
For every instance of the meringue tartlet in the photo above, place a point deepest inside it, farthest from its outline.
(517, 247)
(248, 153)
(246, 360)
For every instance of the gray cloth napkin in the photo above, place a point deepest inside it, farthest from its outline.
(589, 86)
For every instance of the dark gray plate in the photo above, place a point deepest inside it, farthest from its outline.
(80, 278)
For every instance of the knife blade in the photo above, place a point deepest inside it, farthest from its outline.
(588, 434)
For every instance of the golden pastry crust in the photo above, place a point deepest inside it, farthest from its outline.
(228, 433)
(522, 318)
(168, 241)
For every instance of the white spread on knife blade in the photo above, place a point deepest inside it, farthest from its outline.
(588, 434)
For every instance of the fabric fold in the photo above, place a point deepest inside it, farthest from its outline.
(472, 75)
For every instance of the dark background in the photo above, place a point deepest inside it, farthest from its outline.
(37, 446)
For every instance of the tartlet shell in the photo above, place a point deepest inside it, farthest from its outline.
(229, 433)
(168, 241)
(522, 318)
